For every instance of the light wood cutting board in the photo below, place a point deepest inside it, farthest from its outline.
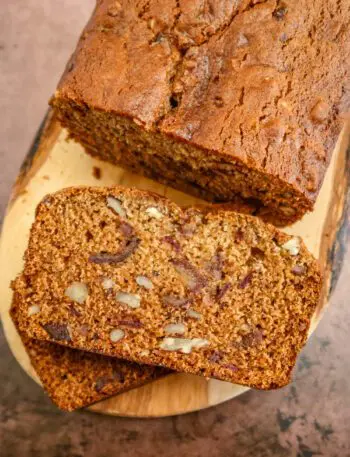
(53, 163)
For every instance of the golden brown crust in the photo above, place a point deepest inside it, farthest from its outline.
(237, 293)
(257, 85)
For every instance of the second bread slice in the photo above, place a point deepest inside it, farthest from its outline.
(129, 274)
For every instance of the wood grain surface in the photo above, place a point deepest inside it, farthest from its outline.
(53, 163)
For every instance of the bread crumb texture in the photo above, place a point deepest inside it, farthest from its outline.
(75, 379)
(218, 294)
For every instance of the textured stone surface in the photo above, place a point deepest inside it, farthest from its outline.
(309, 418)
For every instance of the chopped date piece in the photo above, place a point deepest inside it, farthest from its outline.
(246, 281)
(194, 280)
(257, 252)
(280, 12)
(299, 270)
(126, 229)
(230, 366)
(221, 291)
(74, 311)
(215, 356)
(118, 376)
(132, 323)
(125, 251)
(252, 339)
(215, 266)
(102, 382)
(58, 332)
(84, 330)
(239, 236)
(173, 243)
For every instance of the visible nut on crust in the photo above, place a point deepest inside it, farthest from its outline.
(116, 335)
(77, 292)
(154, 212)
(116, 206)
(292, 246)
(33, 309)
(287, 210)
(131, 300)
(108, 283)
(143, 281)
(242, 40)
(194, 314)
(183, 345)
(175, 329)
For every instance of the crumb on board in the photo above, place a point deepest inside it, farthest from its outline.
(96, 172)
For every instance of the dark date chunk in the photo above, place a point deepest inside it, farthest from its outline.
(172, 242)
(58, 332)
(280, 13)
(221, 291)
(193, 278)
(246, 281)
(125, 251)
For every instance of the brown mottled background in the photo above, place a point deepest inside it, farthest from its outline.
(309, 418)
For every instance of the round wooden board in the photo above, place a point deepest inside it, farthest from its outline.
(53, 163)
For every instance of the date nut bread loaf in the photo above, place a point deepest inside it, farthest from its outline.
(220, 98)
(74, 379)
(127, 273)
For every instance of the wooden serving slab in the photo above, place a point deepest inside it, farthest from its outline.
(53, 163)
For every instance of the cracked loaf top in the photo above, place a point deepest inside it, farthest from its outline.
(260, 82)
